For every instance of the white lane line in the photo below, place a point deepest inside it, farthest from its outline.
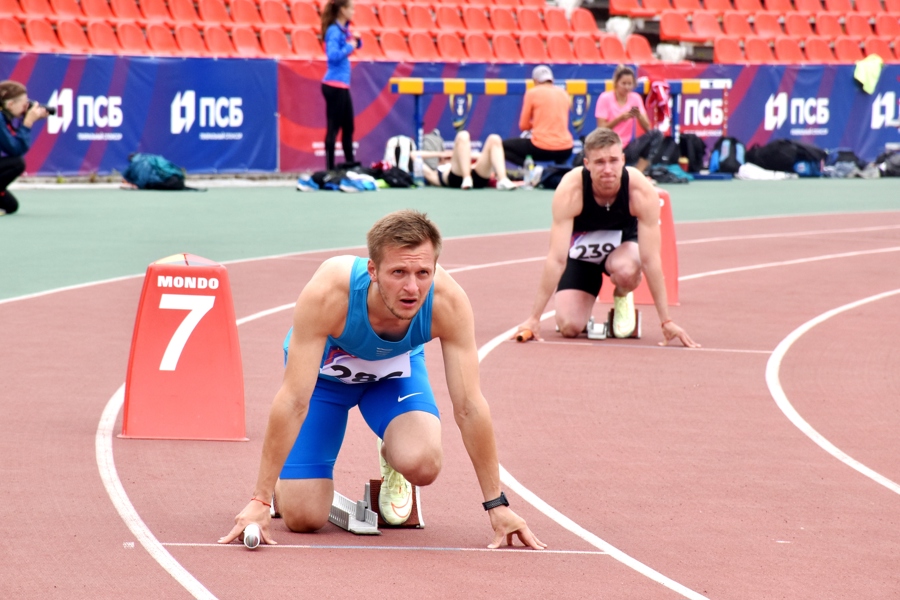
(773, 381)
(501, 550)
(126, 510)
(631, 346)
(786, 234)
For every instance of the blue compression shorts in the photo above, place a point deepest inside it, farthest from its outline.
(316, 448)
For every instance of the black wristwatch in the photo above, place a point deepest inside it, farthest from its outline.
(501, 501)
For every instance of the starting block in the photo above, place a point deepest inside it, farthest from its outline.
(355, 517)
(415, 521)
(604, 329)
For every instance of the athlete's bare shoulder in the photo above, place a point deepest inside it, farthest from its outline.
(567, 197)
(326, 297)
(643, 200)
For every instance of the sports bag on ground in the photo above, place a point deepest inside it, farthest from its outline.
(153, 172)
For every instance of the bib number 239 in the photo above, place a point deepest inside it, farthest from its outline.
(594, 246)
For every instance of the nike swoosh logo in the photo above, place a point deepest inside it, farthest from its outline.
(402, 398)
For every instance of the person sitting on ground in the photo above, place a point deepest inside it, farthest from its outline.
(458, 170)
(545, 113)
(622, 110)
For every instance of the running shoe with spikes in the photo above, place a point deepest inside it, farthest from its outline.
(395, 499)
(624, 321)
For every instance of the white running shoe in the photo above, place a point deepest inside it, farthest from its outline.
(624, 320)
(466, 183)
(506, 185)
(395, 500)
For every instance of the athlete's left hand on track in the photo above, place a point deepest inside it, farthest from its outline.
(506, 524)
(254, 512)
(672, 331)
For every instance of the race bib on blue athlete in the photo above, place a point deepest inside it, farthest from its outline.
(594, 246)
(351, 369)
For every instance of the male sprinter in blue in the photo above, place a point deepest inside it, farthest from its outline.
(359, 327)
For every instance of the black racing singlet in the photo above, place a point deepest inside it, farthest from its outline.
(594, 217)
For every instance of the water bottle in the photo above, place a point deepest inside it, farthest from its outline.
(528, 182)
(418, 171)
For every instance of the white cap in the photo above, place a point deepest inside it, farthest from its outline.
(542, 73)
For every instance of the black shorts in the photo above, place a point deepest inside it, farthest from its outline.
(455, 181)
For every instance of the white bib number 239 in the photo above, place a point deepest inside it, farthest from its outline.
(594, 246)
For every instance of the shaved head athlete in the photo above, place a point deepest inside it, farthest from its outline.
(359, 328)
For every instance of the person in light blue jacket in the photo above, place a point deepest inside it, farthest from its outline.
(340, 43)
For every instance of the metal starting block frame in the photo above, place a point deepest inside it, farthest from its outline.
(603, 329)
(354, 517)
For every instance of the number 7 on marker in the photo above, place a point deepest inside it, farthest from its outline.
(199, 306)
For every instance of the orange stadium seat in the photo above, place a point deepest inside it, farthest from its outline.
(306, 44)
(505, 48)
(183, 11)
(509, 3)
(218, 41)
(274, 14)
(787, 50)
(161, 40)
(638, 49)
(475, 19)
(766, 26)
(529, 20)
(190, 42)
(478, 48)
(857, 26)
(556, 22)
(810, 7)
(11, 8)
(154, 11)
(392, 18)
(448, 20)
(727, 50)
(674, 25)
(364, 18)
(818, 50)
(41, 36)
(102, 38)
(630, 8)
(213, 12)
(132, 39)
(532, 48)
(705, 25)
(869, 8)
(748, 6)
(502, 20)
(68, 9)
(245, 42)
(847, 50)
(657, 6)
(586, 50)
(779, 6)
(613, 50)
(98, 10)
(880, 47)
(720, 7)
(538, 3)
(305, 16)
(584, 22)
(36, 9)
(127, 10)
(422, 47)
(274, 41)
(687, 6)
(72, 37)
(419, 17)
(450, 47)
(797, 26)
(828, 25)
(757, 50)
(887, 26)
(370, 50)
(12, 36)
(839, 6)
(559, 49)
(394, 46)
(736, 25)
(246, 13)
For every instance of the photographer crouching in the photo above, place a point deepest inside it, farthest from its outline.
(15, 140)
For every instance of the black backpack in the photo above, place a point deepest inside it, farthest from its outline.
(694, 149)
(782, 155)
(889, 163)
(727, 156)
(667, 154)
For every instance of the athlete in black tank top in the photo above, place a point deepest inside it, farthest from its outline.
(616, 216)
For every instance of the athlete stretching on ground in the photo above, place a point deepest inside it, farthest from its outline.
(600, 211)
(359, 327)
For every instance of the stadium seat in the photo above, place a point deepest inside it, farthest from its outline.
(818, 50)
(720, 7)
(584, 22)
(797, 26)
(502, 20)
(422, 48)
(98, 10)
(419, 17)
(892, 7)
(370, 49)
(132, 39)
(839, 6)
(274, 14)
(68, 9)
(879, 46)
(183, 11)
(190, 42)
(246, 44)
(808, 7)
(869, 8)
(529, 20)
(41, 36)
(475, 19)
(537, 3)
(392, 19)
(244, 12)
(586, 50)
(757, 50)
(887, 26)
(11, 8)
(857, 26)
(507, 3)
(559, 49)
(12, 36)
(782, 7)
(450, 48)
(673, 25)
(705, 25)
(748, 6)
(274, 42)
(364, 18)
(727, 50)
(217, 41)
(448, 20)
(213, 12)
(505, 48)
(478, 49)
(787, 50)
(766, 26)
(686, 6)
(37, 9)
(556, 22)
(828, 25)
(304, 16)
(102, 38)
(847, 50)
(736, 25)
(306, 44)
(638, 49)
(394, 46)
(153, 11)
(630, 8)
(161, 40)
(613, 50)
(72, 37)
(127, 10)
(532, 48)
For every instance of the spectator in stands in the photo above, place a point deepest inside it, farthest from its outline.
(340, 43)
(545, 112)
(457, 169)
(15, 140)
(622, 110)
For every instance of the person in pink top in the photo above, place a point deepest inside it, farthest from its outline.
(622, 110)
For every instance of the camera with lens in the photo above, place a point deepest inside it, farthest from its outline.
(51, 110)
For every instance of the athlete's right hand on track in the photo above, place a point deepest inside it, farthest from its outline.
(506, 524)
(254, 512)
(531, 326)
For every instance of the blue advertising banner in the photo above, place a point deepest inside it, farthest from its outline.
(206, 115)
